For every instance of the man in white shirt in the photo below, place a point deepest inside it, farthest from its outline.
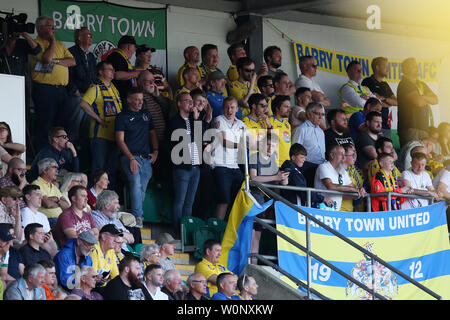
(153, 280)
(308, 69)
(419, 181)
(352, 94)
(332, 175)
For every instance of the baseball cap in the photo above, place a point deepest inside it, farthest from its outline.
(126, 40)
(5, 235)
(144, 48)
(88, 237)
(111, 228)
(216, 75)
(164, 238)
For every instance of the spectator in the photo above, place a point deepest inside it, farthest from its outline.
(216, 84)
(331, 175)
(383, 145)
(69, 180)
(311, 136)
(308, 69)
(192, 58)
(197, 285)
(30, 214)
(272, 57)
(50, 285)
(210, 61)
(281, 107)
(103, 104)
(444, 138)
(153, 281)
(137, 159)
(227, 175)
(338, 132)
(209, 266)
(143, 59)
(356, 176)
(191, 81)
(50, 74)
(60, 149)
(384, 181)
(381, 90)
(88, 280)
(245, 85)
(247, 286)
(357, 121)
(15, 176)
(186, 165)
(150, 254)
(99, 181)
(257, 121)
(9, 273)
(172, 285)
(202, 109)
(127, 286)
(365, 143)
(419, 181)
(107, 207)
(352, 95)
(8, 149)
(235, 52)
(265, 85)
(72, 256)
(29, 287)
(103, 254)
(282, 84)
(167, 249)
(414, 99)
(125, 75)
(297, 154)
(74, 220)
(32, 251)
(81, 76)
(298, 112)
(442, 183)
(226, 284)
(10, 210)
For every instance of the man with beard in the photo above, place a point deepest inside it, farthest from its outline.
(127, 286)
(15, 177)
(273, 57)
(383, 145)
(338, 132)
(331, 175)
(365, 143)
(281, 108)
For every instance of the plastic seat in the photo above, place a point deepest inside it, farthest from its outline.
(188, 227)
(218, 226)
(201, 234)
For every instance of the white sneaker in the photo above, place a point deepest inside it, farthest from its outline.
(139, 222)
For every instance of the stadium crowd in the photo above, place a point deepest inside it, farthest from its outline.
(63, 232)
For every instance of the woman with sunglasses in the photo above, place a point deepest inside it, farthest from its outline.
(8, 148)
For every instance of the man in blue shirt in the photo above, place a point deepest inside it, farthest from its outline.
(133, 126)
(357, 121)
(226, 283)
(60, 149)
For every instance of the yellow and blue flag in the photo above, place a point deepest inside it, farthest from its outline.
(414, 241)
(237, 238)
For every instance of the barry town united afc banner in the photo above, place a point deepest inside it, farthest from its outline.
(108, 23)
(414, 241)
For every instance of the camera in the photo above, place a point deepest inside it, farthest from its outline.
(15, 23)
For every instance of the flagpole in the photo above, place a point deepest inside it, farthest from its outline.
(247, 176)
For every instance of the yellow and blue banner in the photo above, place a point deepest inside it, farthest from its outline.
(335, 62)
(237, 238)
(415, 241)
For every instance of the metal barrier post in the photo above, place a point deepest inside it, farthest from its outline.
(308, 256)
(389, 207)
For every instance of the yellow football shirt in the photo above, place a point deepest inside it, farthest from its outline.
(239, 90)
(208, 269)
(257, 129)
(104, 262)
(282, 129)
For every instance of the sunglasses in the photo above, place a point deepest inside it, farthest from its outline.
(64, 136)
(249, 70)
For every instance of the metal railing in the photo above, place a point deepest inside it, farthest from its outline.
(309, 254)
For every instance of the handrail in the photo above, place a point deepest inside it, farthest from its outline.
(266, 189)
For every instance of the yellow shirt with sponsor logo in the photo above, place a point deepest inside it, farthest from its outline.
(282, 129)
(104, 262)
(239, 90)
(60, 74)
(256, 127)
(208, 269)
(48, 189)
(105, 102)
(232, 73)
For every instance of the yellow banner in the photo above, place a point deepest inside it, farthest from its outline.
(335, 62)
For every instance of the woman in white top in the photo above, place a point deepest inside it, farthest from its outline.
(442, 182)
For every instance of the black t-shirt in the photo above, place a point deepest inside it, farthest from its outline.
(120, 64)
(381, 88)
(31, 255)
(332, 138)
(410, 116)
(363, 141)
(116, 289)
(15, 259)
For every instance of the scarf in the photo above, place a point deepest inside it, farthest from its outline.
(110, 107)
(129, 65)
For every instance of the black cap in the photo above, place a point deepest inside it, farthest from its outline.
(5, 235)
(111, 228)
(144, 48)
(127, 40)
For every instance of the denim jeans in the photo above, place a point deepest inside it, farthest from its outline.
(137, 183)
(185, 184)
(105, 157)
